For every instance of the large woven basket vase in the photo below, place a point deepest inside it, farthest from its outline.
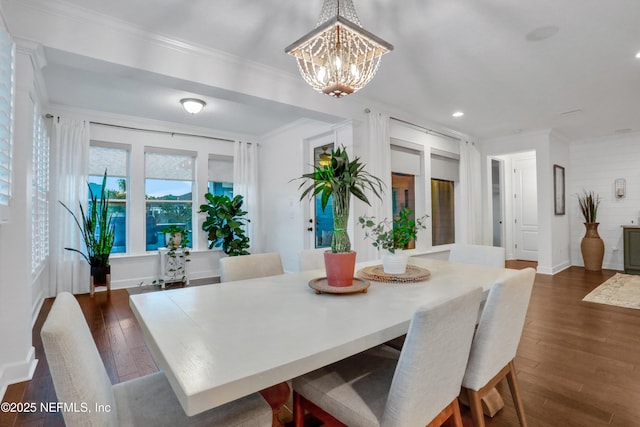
(592, 247)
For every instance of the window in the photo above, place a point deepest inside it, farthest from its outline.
(406, 164)
(168, 195)
(444, 173)
(403, 195)
(40, 193)
(115, 161)
(6, 120)
(220, 181)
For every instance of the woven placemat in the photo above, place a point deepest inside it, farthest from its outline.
(411, 275)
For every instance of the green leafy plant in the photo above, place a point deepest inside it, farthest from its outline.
(589, 202)
(340, 179)
(393, 235)
(96, 227)
(224, 224)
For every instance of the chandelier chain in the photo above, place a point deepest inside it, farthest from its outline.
(333, 8)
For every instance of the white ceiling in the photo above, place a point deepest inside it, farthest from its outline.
(511, 66)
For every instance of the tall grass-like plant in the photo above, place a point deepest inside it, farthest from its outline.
(96, 227)
(340, 179)
(589, 202)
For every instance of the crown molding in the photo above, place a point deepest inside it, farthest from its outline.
(150, 124)
(84, 17)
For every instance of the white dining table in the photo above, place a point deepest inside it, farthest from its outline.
(217, 343)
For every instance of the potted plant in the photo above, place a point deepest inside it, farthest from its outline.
(224, 224)
(340, 179)
(592, 246)
(173, 235)
(393, 237)
(177, 254)
(98, 234)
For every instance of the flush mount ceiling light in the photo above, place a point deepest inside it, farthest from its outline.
(338, 57)
(638, 55)
(193, 105)
(458, 114)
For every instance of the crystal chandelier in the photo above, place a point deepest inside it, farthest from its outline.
(338, 57)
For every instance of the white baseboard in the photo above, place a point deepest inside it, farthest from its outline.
(12, 373)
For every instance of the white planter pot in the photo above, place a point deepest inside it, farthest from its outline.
(395, 263)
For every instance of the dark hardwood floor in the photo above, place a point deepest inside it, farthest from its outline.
(578, 363)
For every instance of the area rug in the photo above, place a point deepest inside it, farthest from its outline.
(622, 290)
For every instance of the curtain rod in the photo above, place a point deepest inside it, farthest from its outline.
(428, 131)
(50, 116)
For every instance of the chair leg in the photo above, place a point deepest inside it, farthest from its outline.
(457, 418)
(298, 410)
(515, 393)
(301, 404)
(476, 408)
(449, 416)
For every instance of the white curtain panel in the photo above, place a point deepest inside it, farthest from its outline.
(471, 190)
(245, 183)
(69, 166)
(378, 164)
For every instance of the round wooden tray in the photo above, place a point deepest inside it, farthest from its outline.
(321, 286)
(411, 275)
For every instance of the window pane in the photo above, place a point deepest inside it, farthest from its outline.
(116, 162)
(221, 176)
(221, 189)
(117, 196)
(442, 212)
(403, 195)
(323, 219)
(169, 195)
(161, 214)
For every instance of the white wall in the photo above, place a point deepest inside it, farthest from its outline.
(17, 355)
(283, 157)
(560, 224)
(594, 166)
(540, 142)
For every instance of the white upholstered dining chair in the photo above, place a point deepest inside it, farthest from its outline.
(80, 377)
(250, 266)
(418, 386)
(477, 254)
(496, 341)
(312, 259)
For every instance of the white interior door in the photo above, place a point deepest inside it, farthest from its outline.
(525, 209)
